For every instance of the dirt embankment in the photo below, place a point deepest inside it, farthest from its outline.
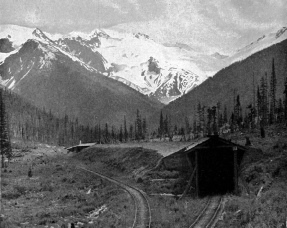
(133, 162)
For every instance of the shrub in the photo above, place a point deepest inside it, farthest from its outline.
(47, 186)
(11, 195)
(20, 189)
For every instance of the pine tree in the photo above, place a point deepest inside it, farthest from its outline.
(131, 132)
(215, 121)
(199, 114)
(113, 136)
(187, 126)
(121, 134)
(144, 128)
(126, 135)
(264, 100)
(285, 100)
(100, 134)
(209, 120)
(138, 126)
(161, 125)
(272, 94)
(238, 111)
(225, 118)
(107, 134)
(5, 145)
(219, 115)
(280, 111)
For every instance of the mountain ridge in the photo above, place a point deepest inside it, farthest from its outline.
(49, 78)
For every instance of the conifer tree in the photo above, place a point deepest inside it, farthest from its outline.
(161, 125)
(238, 111)
(165, 126)
(225, 118)
(107, 134)
(100, 134)
(138, 126)
(187, 125)
(126, 135)
(121, 134)
(144, 128)
(131, 132)
(5, 145)
(280, 111)
(272, 94)
(264, 100)
(285, 100)
(113, 136)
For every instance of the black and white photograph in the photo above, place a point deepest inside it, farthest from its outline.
(143, 113)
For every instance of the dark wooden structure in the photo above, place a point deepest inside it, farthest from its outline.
(214, 164)
(78, 148)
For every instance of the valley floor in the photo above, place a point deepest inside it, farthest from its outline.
(59, 193)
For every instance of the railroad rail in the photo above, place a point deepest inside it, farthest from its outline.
(142, 208)
(208, 216)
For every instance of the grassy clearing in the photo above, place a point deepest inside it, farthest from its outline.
(58, 193)
(269, 172)
(168, 212)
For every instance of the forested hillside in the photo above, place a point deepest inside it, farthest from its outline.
(29, 123)
(235, 90)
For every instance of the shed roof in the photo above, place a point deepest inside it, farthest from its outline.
(215, 138)
(81, 145)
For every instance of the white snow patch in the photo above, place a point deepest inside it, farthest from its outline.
(12, 84)
(27, 72)
(3, 56)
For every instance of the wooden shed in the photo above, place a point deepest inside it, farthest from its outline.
(81, 146)
(214, 164)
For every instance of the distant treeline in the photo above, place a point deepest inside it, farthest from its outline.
(29, 123)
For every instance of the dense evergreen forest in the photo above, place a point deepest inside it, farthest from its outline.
(24, 121)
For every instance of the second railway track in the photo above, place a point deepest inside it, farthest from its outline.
(208, 216)
(142, 209)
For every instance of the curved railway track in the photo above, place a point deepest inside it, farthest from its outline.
(142, 209)
(209, 214)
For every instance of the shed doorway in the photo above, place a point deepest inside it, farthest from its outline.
(215, 171)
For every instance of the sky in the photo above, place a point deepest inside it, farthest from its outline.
(205, 25)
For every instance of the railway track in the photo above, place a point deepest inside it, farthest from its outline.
(142, 217)
(209, 214)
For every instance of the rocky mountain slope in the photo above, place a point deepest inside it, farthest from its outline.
(133, 59)
(43, 73)
(162, 71)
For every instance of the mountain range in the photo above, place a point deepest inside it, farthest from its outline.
(49, 77)
(109, 72)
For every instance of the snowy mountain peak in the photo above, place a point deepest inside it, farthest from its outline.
(39, 34)
(99, 33)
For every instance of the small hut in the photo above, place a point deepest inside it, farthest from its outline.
(78, 148)
(215, 164)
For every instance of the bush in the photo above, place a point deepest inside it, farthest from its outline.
(20, 189)
(47, 186)
(269, 210)
(11, 195)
